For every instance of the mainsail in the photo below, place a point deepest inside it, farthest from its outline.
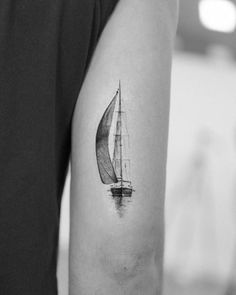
(106, 170)
(120, 160)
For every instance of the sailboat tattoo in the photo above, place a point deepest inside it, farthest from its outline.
(116, 171)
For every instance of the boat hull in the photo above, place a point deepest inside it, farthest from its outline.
(121, 192)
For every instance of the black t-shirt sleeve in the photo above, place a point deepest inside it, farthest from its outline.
(102, 12)
(107, 7)
(46, 47)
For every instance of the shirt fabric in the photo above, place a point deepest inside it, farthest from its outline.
(45, 49)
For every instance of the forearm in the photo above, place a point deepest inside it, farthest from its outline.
(115, 249)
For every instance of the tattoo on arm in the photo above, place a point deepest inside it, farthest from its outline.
(112, 138)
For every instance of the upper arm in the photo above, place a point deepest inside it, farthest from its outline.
(134, 48)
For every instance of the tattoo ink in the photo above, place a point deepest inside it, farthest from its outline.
(115, 172)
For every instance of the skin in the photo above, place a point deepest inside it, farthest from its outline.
(109, 253)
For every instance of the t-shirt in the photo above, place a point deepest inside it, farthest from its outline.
(45, 49)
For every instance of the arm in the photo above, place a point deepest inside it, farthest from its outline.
(116, 244)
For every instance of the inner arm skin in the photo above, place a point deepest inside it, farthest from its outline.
(110, 254)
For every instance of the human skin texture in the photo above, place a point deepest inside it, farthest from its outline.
(117, 217)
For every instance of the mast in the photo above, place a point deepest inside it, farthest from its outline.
(120, 119)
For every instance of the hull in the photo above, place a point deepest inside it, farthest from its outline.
(121, 192)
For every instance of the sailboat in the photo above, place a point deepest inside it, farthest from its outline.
(116, 171)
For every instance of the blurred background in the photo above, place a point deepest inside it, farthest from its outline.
(200, 255)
